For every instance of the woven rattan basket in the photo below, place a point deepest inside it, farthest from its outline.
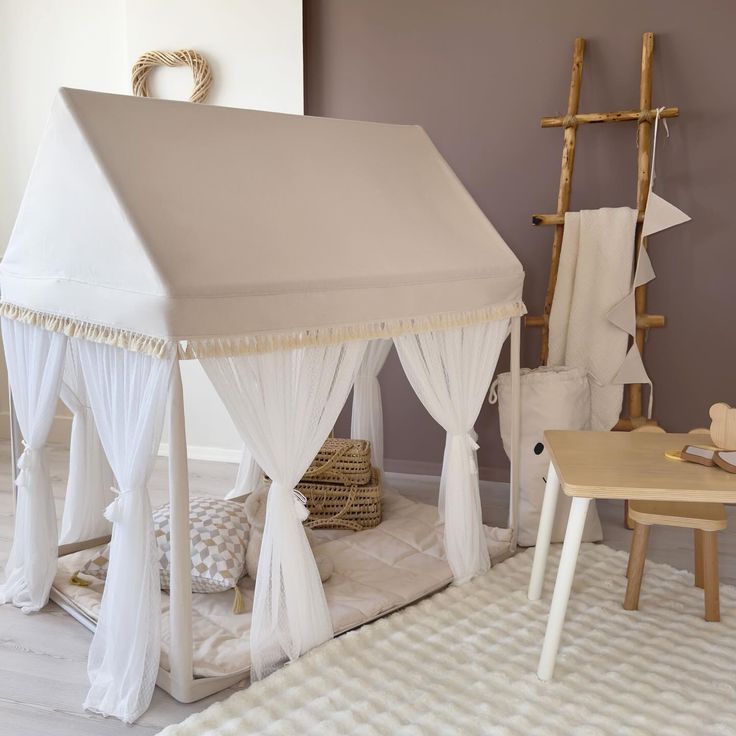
(341, 461)
(334, 506)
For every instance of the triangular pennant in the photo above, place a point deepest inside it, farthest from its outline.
(660, 215)
(632, 369)
(644, 270)
(623, 315)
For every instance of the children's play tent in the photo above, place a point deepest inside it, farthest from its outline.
(272, 248)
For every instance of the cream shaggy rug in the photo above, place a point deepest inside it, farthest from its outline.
(463, 662)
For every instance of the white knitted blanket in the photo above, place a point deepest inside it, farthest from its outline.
(463, 662)
(596, 265)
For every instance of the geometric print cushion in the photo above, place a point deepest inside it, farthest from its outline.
(218, 532)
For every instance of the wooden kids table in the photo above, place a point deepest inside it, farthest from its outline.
(626, 465)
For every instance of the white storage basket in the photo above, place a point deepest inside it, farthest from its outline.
(552, 397)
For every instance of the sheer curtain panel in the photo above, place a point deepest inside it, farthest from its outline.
(35, 360)
(90, 477)
(128, 393)
(284, 405)
(450, 371)
(367, 415)
(250, 476)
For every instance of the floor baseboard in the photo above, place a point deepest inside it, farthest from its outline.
(419, 467)
(203, 452)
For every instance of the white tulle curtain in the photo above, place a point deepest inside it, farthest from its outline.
(35, 360)
(450, 371)
(367, 412)
(90, 477)
(128, 393)
(249, 477)
(284, 405)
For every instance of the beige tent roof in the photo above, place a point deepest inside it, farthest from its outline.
(192, 222)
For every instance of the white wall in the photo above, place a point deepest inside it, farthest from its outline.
(45, 45)
(254, 47)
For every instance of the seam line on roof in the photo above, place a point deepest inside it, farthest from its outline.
(323, 287)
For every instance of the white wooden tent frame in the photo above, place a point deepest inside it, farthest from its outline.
(179, 681)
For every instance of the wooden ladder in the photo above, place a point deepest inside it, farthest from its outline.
(632, 416)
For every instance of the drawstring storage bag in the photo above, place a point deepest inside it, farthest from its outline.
(552, 397)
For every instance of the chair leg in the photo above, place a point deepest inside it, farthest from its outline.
(628, 521)
(710, 577)
(637, 558)
(698, 534)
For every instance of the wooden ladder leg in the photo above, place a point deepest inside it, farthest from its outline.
(710, 576)
(698, 534)
(637, 558)
(644, 140)
(563, 196)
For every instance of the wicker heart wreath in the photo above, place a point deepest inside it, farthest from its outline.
(187, 57)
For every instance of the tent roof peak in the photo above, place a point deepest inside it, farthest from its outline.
(185, 221)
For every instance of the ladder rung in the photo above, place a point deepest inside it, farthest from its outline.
(560, 219)
(643, 321)
(622, 116)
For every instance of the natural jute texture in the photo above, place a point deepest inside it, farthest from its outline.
(463, 663)
(341, 460)
(333, 506)
(186, 57)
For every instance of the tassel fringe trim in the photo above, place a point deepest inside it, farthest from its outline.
(135, 342)
(219, 347)
(222, 347)
(76, 580)
(238, 602)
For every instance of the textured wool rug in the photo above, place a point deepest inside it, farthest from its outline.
(463, 662)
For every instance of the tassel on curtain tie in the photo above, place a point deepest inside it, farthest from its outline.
(30, 458)
(468, 439)
(300, 505)
(493, 392)
(114, 510)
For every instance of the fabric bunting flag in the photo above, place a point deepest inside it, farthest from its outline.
(659, 215)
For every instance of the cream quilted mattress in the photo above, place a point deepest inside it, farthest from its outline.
(376, 571)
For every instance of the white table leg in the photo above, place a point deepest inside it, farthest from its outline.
(563, 585)
(544, 534)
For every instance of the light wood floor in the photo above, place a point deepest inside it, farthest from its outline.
(43, 656)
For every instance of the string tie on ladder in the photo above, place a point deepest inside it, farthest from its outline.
(29, 461)
(114, 510)
(647, 116)
(569, 121)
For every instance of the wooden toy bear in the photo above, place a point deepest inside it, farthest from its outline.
(723, 426)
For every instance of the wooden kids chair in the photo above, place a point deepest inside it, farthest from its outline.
(705, 519)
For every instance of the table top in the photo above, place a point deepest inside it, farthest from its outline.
(633, 465)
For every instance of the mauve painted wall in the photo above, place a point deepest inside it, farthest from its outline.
(478, 75)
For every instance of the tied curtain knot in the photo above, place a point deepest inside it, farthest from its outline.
(300, 505)
(29, 462)
(464, 442)
(114, 510)
(299, 499)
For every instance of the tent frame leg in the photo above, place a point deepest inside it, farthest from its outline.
(15, 437)
(515, 429)
(181, 678)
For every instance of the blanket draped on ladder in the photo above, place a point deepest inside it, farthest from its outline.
(595, 271)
